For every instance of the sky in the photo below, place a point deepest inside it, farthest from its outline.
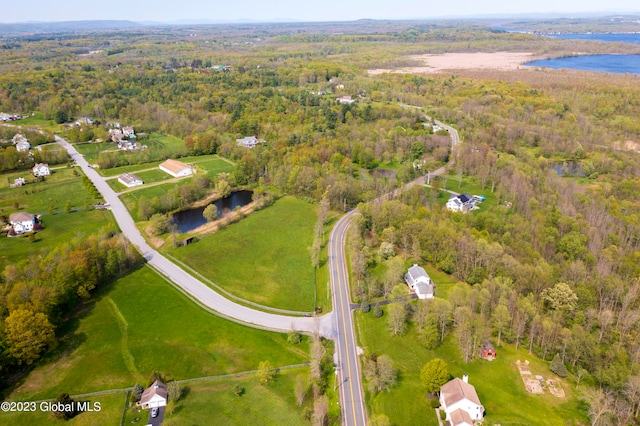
(296, 10)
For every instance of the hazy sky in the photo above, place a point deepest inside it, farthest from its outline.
(319, 10)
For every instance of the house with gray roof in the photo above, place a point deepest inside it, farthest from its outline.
(419, 281)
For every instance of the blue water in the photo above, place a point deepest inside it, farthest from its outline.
(633, 38)
(619, 64)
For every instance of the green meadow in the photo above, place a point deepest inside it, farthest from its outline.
(141, 324)
(264, 258)
(497, 382)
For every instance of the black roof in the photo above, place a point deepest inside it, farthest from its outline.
(464, 197)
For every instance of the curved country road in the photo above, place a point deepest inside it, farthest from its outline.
(337, 325)
(191, 285)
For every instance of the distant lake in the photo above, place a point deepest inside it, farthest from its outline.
(633, 38)
(619, 64)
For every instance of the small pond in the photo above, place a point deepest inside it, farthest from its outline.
(188, 220)
(569, 168)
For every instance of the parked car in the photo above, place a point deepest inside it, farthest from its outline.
(154, 412)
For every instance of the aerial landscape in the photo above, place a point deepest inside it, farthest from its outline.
(356, 214)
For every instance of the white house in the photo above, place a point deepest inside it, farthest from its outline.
(126, 144)
(22, 222)
(460, 402)
(84, 120)
(154, 396)
(41, 169)
(21, 142)
(420, 282)
(176, 168)
(460, 203)
(128, 132)
(345, 100)
(249, 141)
(129, 180)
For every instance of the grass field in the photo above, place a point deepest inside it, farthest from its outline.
(159, 140)
(215, 403)
(58, 228)
(264, 258)
(38, 120)
(498, 383)
(63, 185)
(111, 407)
(140, 324)
(471, 185)
(211, 164)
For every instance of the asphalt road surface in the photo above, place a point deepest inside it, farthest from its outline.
(191, 285)
(337, 325)
(348, 374)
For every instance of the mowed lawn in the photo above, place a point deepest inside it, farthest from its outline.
(64, 184)
(215, 403)
(141, 324)
(264, 258)
(111, 407)
(57, 229)
(498, 382)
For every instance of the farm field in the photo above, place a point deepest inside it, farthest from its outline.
(214, 402)
(264, 258)
(58, 228)
(64, 185)
(498, 382)
(120, 327)
(111, 407)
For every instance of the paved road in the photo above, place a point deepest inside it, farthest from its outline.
(191, 285)
(337, 325)
(348, 377)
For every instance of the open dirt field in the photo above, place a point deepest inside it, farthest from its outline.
(503, 61)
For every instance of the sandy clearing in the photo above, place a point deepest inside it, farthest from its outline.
(503, 61)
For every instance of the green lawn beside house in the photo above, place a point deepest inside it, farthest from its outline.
(497, 382)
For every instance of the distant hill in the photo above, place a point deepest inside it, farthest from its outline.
(56, 27)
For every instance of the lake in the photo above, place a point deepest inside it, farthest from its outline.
(619, 64)
(632, 38)
(188, 220)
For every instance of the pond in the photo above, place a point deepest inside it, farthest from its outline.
(569, 168)
(188, 220)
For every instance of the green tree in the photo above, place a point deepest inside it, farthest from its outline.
(174, 391)
(158, 224)
(266, 373)
(380, 373)
(137, 391)
(434, 374)
(500, 320)
(397, 319)
(557, 366)
(28, 334)
(65, 403)
(210, 212)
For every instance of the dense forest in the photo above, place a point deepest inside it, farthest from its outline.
(553, 266)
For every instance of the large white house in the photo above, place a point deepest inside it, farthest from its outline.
(41, 169)
(154, 396)
(176, 168)
(22, 222)
(460, 203)
(249, 142)
(460, 402)
(420, 282)
(21, 142)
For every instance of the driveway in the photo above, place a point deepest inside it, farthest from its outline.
(156, 421)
